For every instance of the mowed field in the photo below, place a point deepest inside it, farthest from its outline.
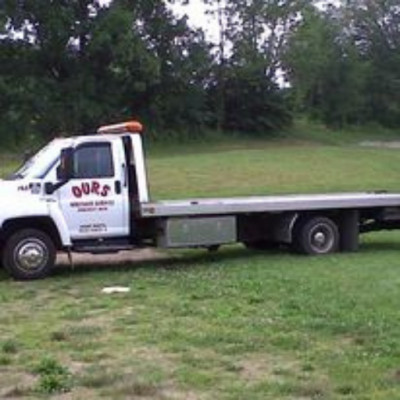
(236, 324)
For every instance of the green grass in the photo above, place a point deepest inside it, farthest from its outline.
(232, 325)
(306, 129)
(9, 163)
(268, 167)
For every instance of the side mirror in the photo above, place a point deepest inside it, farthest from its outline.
(65, 170)
(49, 188)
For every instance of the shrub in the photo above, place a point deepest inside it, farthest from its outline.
(54, 377)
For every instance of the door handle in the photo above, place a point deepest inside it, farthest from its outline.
(118, 187)
(125, 175)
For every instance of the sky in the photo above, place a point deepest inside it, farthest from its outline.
(196, 12)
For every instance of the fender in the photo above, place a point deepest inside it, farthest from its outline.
(59, 221)
(18, 207)
(283, 227)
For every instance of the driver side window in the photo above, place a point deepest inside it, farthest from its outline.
(93, 160)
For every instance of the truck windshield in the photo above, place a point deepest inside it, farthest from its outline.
(39, 164)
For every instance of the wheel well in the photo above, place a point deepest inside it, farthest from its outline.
(271, 227)
(43, 224)
(305, 216)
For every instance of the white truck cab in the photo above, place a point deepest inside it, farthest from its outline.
(90, 194)
(75, 190)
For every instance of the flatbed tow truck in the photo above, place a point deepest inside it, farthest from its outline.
(90, 194)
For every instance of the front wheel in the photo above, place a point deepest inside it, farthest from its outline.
(317, 235)
(29, 254)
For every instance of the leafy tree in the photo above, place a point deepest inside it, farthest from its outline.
(376, 30)
(77, 64)
(177, 100)
(257, 30)
(325, 69)
(68, 65)
(53, 37)
(220, 11)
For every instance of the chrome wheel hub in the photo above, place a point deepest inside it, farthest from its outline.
(322, 238)
(31, 254)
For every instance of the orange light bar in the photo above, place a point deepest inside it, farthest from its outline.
(129, 126)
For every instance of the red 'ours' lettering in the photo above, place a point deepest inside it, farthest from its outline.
(76, 191)
(105, 191)
(87, 188)
(96, 188)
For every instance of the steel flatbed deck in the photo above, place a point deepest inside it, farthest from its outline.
(240, 205)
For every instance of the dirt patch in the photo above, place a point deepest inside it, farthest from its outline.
(267, 368)
(77, 393)
(396, 376)
(381, 145)
(14, 385)
(152, 355)
(123, 257)
(175, 394)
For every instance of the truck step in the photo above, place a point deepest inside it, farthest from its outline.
(103, 249)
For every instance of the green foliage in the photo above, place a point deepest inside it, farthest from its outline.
(54, 383)
(344, 64)
(50, 366)
(54, 377)
(79, 65)
(5, 360)
(326, 71)
(10, 346)
(71, 66)
(254, 104)
(376, 26)
(245, 93)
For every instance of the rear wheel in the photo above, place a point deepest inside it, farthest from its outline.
(29, 254)
(316, 235)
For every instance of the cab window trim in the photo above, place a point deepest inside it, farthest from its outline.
(93, 145)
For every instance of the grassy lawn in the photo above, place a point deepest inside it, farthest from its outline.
(270, 167)
(232, 325)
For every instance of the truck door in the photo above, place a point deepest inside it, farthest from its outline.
(95, 201)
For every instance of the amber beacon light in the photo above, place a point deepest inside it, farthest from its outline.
(129, 126)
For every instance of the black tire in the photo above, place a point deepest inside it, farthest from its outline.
(316, 236)
(29, 254)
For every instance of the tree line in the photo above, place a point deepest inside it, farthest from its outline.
(67, 66)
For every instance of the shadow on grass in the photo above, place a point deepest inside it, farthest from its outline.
(198, 258)
(3, 275)
(177, 260)
(193, 259)
(184, 260)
